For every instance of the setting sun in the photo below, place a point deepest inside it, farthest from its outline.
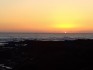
(46, 16)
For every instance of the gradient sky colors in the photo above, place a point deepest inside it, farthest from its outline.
(57, 16)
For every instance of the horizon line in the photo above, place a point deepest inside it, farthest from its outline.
(50, 32)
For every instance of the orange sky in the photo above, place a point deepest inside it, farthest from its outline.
(57, 16)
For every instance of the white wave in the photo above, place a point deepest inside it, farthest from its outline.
(6, 67)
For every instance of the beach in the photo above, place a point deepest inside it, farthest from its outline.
(47, 55)
(46, 35)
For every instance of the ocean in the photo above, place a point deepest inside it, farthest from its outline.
(44, 36)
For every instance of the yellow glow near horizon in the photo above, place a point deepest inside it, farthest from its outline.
(46, 16)
(65, 26)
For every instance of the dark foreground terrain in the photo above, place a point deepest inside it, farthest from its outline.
(47, 55)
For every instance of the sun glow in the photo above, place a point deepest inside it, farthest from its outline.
(48, 16)
(65, 26)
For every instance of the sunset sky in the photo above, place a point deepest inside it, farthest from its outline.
(53, 16)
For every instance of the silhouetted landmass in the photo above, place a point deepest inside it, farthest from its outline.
(47, 55)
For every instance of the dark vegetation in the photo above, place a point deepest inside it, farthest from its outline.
(47, 55)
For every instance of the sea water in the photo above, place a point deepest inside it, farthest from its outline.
(44, 36)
